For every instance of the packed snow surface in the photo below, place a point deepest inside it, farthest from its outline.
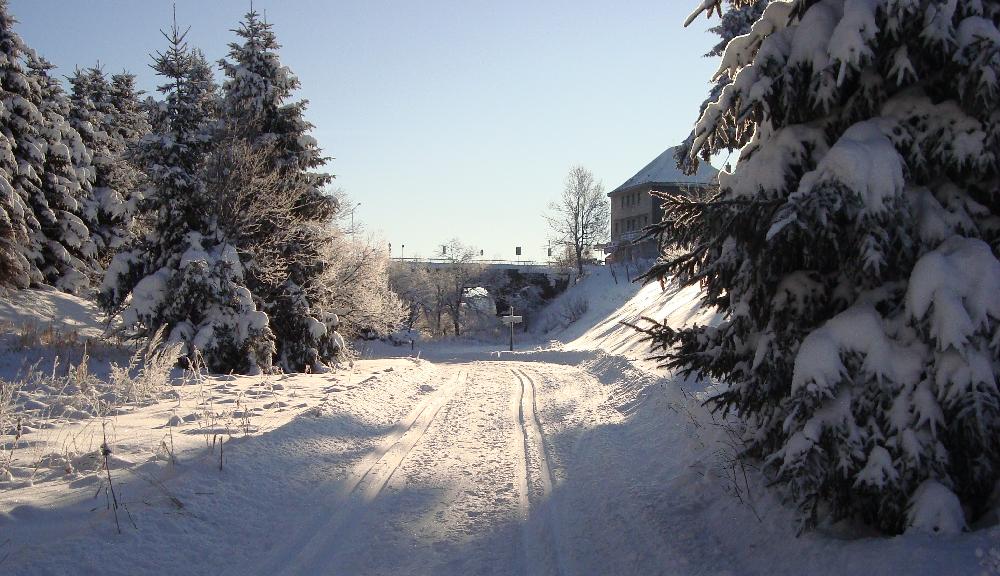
(571, 457)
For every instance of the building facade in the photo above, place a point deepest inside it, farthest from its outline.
(633, 207)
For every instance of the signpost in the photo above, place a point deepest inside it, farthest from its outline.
(510, 320)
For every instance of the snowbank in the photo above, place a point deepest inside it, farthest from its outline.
(46, 307)
(612, 302)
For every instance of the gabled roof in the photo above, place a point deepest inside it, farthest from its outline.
(663, 170)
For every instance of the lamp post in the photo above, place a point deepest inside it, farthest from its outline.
(352, 217)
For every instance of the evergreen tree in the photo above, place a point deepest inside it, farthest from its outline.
(88, 95)
(15, 269)
(853, 255)
(735, 21)
(110, 120)
(257, 111)
(21, 162)
(125, 124)
(209, 101)
(182, 277)
(63, 238)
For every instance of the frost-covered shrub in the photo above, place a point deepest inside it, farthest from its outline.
(572, 309)
(147, 373)
(853, 254)
(8, 391)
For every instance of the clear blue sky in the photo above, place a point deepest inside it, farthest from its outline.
(445, 119)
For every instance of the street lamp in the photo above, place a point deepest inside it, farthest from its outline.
(352, 217)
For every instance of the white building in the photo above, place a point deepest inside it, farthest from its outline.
(633, 207)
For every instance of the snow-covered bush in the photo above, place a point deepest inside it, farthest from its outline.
(208, 310)
(316, 342)
(404, 337)
(853, 254)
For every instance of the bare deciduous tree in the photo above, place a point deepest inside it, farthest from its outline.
(579, 219)
(461, 273)
(355, 285)
(411, 281)
(439, 290)
(254, 209)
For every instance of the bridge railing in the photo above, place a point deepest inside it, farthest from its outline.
(484, 261)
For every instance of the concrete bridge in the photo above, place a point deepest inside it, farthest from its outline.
(504, 280)
(522, 266)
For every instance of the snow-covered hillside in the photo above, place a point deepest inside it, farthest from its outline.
(612, 301)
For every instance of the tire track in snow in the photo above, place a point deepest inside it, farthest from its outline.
(315, 541)
(540, 536)
(640, 543)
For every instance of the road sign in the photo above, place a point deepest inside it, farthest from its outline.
(510, 320)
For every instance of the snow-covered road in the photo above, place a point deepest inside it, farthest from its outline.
(465, 483)
(561, 462)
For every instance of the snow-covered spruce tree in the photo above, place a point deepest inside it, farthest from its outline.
(181, 276)
(111, 122)
(735, 21)
(69, 253)
(125, 123)
(21, 161)
(88, 110)
(15, 269)
(257, 111)
(853, 254)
